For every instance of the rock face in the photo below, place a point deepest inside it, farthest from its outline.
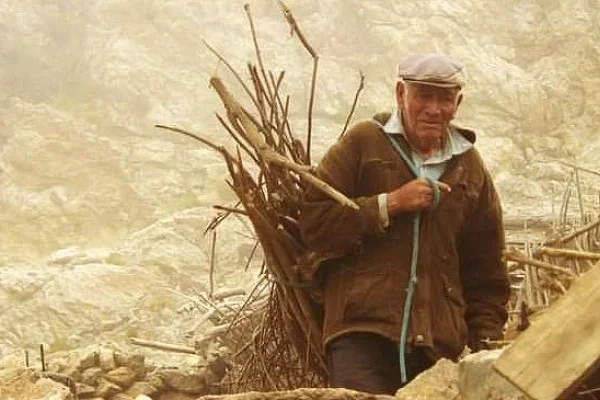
(102, 215)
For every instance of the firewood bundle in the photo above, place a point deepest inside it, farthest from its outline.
(269, 171)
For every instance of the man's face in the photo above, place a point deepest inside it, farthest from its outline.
(427, 111)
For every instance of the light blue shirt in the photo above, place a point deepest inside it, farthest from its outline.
(433, 167)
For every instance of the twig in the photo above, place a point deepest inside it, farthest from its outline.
(569, 253)
(193, 136)
(579, 196)
(234, 72)
(576, 233)
(206, 316)
(257, 50)
(515, 256)
(248, 299)
(588, 391)
(564, 207)
(576, 167)
(497, 342)
(294, 28)
(163, 346)
(360, 88)
(235, 112)
(237, 139)
(251, 256)
(229, 292)
(213, 246)
(230, 210)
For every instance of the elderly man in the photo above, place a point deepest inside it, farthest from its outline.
(416, 273)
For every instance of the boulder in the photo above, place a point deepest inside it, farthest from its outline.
(122, 376)
(440, 382)
(479, 381)
(190, 383)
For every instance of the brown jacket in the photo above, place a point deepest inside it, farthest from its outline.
(462, 282)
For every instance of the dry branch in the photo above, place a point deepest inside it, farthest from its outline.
(569, 253)
(519, 258)
(576, 233)
(576, 167)
(294, 28)
(164, 346)
(361, 86)
(236, 113)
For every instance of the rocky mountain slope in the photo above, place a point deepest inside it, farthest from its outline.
(102, 214)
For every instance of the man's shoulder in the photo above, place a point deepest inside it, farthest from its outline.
(468, 134)
(362, 129)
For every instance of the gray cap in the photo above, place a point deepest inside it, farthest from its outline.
(431, 69)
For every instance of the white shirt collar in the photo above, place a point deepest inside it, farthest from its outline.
(457, 143)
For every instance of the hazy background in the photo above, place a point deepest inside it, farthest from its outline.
(102, 215)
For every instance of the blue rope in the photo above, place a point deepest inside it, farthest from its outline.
(412, 281)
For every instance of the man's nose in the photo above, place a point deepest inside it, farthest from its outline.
(433, 105)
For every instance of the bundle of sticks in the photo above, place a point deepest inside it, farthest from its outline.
(269, 171)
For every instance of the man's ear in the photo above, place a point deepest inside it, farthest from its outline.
(458, 101)
(400, 92)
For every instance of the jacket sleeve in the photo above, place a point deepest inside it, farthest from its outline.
(326, 226)
(483, 271)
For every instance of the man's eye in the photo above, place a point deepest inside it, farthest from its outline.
(423, 96)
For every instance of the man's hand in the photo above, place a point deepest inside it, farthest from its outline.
(414, 196)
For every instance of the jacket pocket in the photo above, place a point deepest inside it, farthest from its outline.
(455, 207)
(377, 176)
(370, 295)
(457, 332)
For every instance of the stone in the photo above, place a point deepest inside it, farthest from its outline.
(176, 396)
(88, 360)
(301, 394)
(156, 381)
(190, 383)
(142, 388)
(53, 390)
(122, 376)
(91, 375)
(72, 372)
(122, 396)
(106, 388)
(439, 382)
(24, 384)
(134, 362)
(479, 380)
(84, 391)
(107, 360)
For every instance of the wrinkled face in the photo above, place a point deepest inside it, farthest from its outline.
(426, 112)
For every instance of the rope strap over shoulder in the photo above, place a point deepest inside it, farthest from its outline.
(436, 193)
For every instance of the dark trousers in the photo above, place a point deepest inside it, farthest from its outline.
(368, 362)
